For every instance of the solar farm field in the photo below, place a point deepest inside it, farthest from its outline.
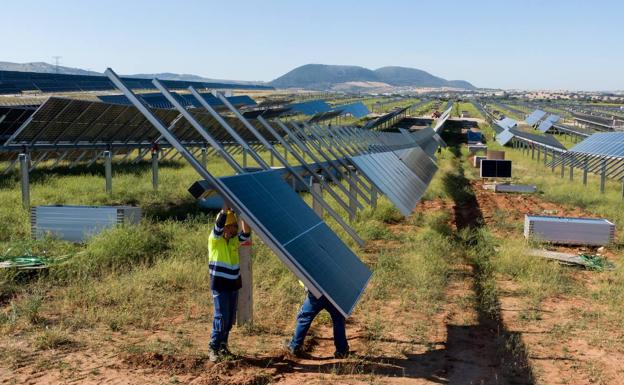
(133, 304)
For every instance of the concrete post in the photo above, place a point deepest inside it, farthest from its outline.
(24, 179)
(108, 171)
(204, 157)
(244, 315)
(155, 170)
(316, 205)
(571, 172)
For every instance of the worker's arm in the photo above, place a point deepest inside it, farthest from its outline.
(245, 232)
(220, 223)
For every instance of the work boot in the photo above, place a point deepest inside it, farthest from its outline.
(213, 355)
(294, 352)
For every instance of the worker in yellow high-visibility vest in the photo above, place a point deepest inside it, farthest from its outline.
(223, 244)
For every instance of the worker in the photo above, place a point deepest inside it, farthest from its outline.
(309, 310)
(223, 244)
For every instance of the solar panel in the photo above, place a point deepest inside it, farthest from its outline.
(357, 110)
(311, 245)
(17, 81)
(504, 137)
(310, 107)
(553, 118)
(393, 178)
(602, 144)
(420, 163)
(546, 140)
(507, 123)
(495, 168)
(545, 126)
(534, 117)
(158, 100)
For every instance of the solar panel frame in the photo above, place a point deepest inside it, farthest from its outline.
(534, 117)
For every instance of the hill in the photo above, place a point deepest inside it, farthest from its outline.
(323, 76)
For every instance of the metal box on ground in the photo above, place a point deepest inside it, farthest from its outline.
(515, 188)
(474, 148)
(473, 137)
(569, 230)
(495, 155)
(476, 161)
(78, 223)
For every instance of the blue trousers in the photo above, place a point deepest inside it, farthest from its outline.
(224, 316)
(310, 308)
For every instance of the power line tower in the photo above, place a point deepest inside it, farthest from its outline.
(56, 62)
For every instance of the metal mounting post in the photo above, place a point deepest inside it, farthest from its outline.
(155, 170)
(24, 179)
(585, 169)
(108, 171)
(603, 176)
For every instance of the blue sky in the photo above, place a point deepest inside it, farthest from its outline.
(508, 44)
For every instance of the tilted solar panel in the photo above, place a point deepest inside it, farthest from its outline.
(504, 137)
(534, 117)
(310, 107)
(312, 247)
(545, 126)
(394, 178)
(357, 110)
(602, 144)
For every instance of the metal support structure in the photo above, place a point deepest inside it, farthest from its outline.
(603, 176)
(585, 169)
(24, 179)
(571, 172)
(352, 201)
(295, 175)
(108, 171)
(155, 170)
(221, 188)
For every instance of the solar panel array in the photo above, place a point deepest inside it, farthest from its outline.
(14, 82)
(157, 100)
(65, 123)
(598, 153)
(397, 164)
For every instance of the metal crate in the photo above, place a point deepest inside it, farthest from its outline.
(78, 223)
(570, 231)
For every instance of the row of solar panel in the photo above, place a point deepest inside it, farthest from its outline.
(158, 100)
(14, 82)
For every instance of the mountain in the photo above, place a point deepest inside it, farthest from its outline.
(322, 76)
(44, 68)
(403, 76)
(51, 68)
